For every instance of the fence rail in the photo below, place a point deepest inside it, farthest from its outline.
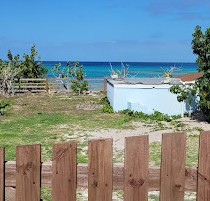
(100, 176)
(54, 84)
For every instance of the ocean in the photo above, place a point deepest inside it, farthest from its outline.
(135, 69)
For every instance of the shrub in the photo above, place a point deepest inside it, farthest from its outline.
(78, 84)
(4, 104)
(30, 68)
(107, 108)
(8, 72)
(157, 116)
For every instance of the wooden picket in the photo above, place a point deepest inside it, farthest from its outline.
(28, 169)
(101, 176)
(173, 167)
(2, 174)
(64, 171)
(203, 193)
(136, 168)
(100, 170)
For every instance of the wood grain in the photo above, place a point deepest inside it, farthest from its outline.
(203, 193)
(173, 167)
(100, 170)
(64, 171)
(136, 168)
(2, 173)
(28, 172)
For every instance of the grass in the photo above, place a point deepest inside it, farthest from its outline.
(38, 119)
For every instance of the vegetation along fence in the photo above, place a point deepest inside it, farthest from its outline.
(100, 176)
(54, 84)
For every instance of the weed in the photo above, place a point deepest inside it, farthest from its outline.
(157, 116)
(4, 105)
(107, 108)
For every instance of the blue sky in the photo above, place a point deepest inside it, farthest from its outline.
(103, 30)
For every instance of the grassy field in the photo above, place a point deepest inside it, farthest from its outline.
(46, 119)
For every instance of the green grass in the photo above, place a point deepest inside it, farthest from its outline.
(37, 119)
(155, 153)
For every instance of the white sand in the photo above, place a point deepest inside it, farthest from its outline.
(118, 135)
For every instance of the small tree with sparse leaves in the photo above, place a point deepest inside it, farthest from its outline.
(75, 73)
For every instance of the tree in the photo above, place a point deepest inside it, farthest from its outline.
(8, 72)
(31, 68)
(201, 47)
(78, 83)
(15, 69)
(75, 72)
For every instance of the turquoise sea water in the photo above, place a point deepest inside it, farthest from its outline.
(137, 69)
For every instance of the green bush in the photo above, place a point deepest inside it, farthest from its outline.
(30, 68)
(75, 72)
(107, 108)
(78, 83)
(4, 104)
(158, 116)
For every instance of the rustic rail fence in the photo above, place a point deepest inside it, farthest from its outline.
(100, 176)
(37, 85)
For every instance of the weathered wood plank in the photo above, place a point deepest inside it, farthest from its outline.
(100, 170)
(32, 79)
(29, 87)
(28, 172)
(118, 176)
(136, 168)
(64, 171)
(173, 167)
(203, 193)
(2, 173)
(35, 91)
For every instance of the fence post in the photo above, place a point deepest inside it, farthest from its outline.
(100, 170)
(136, 168)
(47, 87)
(172, 184)
(104, 83)
(203, 191)
(64, 171)
(2, 172)
(28, 173)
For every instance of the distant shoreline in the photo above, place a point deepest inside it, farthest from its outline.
(136, 69)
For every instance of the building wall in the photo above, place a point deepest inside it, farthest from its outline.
(147, 100)
(110, 94)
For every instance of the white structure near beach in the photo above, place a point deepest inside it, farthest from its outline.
(148, 95)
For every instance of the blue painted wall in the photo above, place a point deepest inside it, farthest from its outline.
(147, 100)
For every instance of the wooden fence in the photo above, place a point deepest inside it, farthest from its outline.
(100, 176)
(37, 85)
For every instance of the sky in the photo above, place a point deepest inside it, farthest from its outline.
(103, 30)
